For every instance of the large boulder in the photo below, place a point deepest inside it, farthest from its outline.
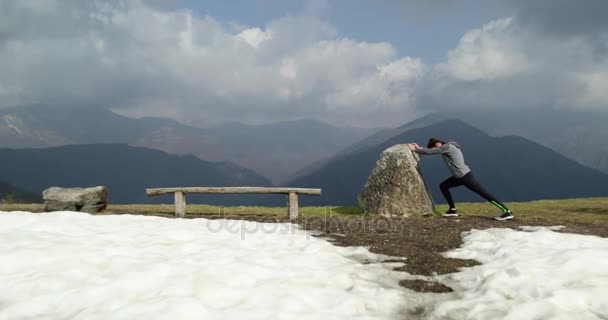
(396, 187)
(89, 200)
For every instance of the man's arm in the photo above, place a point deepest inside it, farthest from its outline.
(443, 149)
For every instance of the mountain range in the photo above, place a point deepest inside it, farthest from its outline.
(125, 170)
(581, 136)
(512, 167)
(277, 150)
(85, 152)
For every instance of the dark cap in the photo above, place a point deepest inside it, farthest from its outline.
(432, 142)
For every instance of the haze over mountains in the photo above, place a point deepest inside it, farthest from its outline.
(512, 167)
(582, 136)
(125, 170)
(276, 151)
(280, 150)
(85, 153)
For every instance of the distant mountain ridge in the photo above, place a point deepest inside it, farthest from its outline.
(277, 150)
(127, 171)
(581, 136)
(514, 168)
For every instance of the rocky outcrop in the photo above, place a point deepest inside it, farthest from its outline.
(89, 200)
(396, 187)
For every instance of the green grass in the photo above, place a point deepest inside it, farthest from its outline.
(35, 207)
(201, 209)
(586, 210)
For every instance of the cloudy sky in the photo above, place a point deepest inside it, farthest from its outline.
(348, 62)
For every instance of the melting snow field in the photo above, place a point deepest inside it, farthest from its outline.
(538, 274)
(73, 265)
(77, 266)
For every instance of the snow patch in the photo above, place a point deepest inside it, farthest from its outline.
(66, 265)
(527, 275)
(536, 228)
(11, 122)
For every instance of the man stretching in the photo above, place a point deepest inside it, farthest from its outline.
(461, 175)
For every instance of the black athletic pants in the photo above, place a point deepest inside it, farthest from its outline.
(468, 180)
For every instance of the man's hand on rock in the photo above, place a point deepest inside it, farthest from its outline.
(413, 146)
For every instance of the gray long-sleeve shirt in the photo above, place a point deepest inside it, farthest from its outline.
(452, 156)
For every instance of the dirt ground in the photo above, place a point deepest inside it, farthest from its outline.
(420, 240)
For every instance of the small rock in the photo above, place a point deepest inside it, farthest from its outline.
(91, 200)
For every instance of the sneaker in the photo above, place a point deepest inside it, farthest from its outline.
(505, 216)
(450, 213)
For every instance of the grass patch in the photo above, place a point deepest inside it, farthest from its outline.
(583, 210)
(30, 207)
(202, 209)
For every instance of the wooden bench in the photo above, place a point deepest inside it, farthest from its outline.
(180, 195)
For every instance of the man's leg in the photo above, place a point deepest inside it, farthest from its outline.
(445, 187)
(472, 184)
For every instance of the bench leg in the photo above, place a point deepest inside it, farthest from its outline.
(180, 205)
(292, 205)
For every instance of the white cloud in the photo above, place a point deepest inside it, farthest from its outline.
(140, 59)
(289, 69)
(254, 36)
(390, 86)
(595, 92)
(510, 66)
(485, 54)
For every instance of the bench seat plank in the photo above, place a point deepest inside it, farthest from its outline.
(236, 190)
